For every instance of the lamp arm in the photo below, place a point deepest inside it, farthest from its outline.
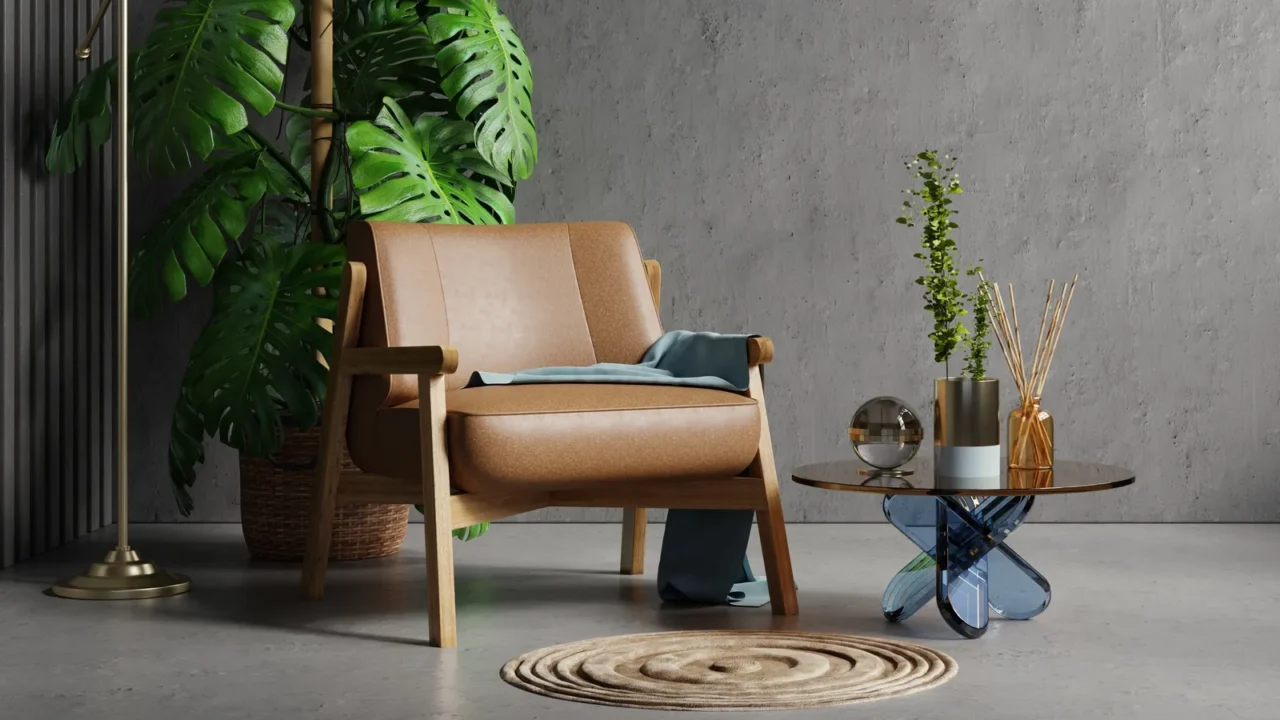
(85, 50)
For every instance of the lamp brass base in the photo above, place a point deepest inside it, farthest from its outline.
(122, 576)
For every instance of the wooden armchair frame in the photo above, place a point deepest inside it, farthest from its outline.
(445, 512)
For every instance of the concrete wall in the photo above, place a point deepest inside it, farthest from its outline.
(756, 147)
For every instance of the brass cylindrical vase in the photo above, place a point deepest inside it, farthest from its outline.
(966, 433)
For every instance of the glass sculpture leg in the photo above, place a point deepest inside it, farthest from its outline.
(1014, 589)
(961, 589)
(976, 569)
(913, 586)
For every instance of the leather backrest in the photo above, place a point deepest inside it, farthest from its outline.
(508, 297)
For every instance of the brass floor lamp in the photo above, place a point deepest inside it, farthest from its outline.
(122, 574)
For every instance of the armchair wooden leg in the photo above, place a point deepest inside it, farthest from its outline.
(438, 524)
(773, 529)
(777, 555)
(324, 496)
(634, 524)
(315, 563)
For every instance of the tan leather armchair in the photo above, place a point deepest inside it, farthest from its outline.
(423, 306)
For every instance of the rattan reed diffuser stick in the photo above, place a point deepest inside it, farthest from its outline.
(1018, 369)
(1045, 330)
(1057, 334)
(998, 317)
(1030, 379)
(1042, 446)
(1005, 335)
(1012, 340)
(1017, 335)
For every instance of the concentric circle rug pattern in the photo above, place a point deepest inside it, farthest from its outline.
(729, 670)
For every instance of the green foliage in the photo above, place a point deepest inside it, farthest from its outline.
(85, 121)
(487, 72)
(297, 134)
(201, 62)
(186, 449)
(978, 342)
(423, 171)
(936, 183)
(192, 236)
(432, 124)
(257, 359)
(383, 49)
(471, 532)
(288, 222)
(468, 533)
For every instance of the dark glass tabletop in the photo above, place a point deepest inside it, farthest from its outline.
(1065, 477)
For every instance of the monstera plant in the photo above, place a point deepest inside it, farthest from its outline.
(430, 121)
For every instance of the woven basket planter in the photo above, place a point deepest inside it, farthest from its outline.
(275, 507)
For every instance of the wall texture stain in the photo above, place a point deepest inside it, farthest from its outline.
(756, 147)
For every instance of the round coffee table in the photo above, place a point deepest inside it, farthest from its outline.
(960, 526)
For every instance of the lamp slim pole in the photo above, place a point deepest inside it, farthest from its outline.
(122, 274)
(122, 575)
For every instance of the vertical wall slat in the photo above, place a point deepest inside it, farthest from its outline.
(8, 350)
(80, 244)
(57, 299)
(70, 480)
(92, 239)
(107, 309)
(26, 63)
(101, 264)
(39, 99)
(59, 89)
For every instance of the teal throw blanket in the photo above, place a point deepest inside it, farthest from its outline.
(703, 551)
(680, 357)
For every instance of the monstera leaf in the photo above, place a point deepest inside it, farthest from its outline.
(186, 449)
(423, 171)
(284, 219)
(257, 358)
(203, 60)
(192, 235)
(487, 72)
(384, 50)
(297, 134)
(85, 120)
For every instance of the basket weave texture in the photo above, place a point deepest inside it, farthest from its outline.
(275, 497)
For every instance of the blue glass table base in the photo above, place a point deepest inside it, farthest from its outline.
(965, 563)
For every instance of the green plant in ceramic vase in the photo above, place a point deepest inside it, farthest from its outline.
(966, 408)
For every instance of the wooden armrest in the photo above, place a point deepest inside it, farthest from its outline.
(425, 360)
(759, 351)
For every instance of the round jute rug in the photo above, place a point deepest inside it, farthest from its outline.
(729, 670)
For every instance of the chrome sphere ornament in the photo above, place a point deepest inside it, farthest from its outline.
(886, 433)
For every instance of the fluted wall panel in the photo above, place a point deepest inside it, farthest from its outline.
(57, 341)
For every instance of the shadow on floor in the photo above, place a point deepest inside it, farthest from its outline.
(370, 600)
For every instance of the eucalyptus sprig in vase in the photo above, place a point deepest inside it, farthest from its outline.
(966, 414)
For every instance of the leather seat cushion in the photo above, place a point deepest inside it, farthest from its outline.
(529, 437)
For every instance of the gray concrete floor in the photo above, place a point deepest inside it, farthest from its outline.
(1147, 621)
